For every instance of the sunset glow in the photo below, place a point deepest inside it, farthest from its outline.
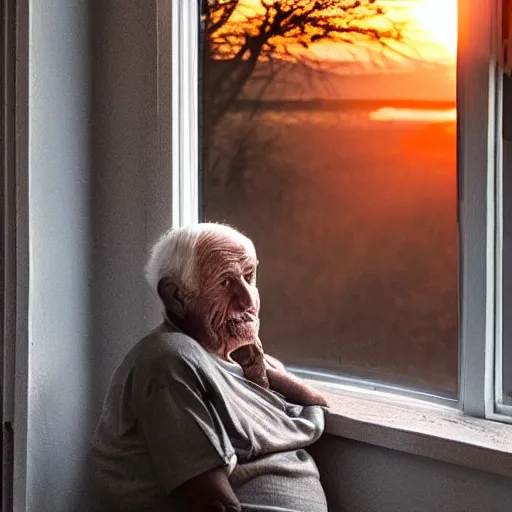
(436, 23)
(430, 28)
(414, 115)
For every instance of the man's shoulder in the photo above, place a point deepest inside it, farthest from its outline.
(163, 346)
(165, 357)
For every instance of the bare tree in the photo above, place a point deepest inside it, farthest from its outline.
(239, 34)
(257, 41)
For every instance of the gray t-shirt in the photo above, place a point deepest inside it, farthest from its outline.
(174, 411)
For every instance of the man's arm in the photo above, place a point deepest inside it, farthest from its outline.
(294, 389)
(209, 492)
(291, 387)
(189, 450)
(267, 371)
(274, 363)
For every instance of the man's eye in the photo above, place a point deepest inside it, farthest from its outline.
(225, 283)
(249, 277)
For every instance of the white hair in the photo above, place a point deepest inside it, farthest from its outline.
(174, 254)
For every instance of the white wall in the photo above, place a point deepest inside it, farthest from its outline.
(360, 477)
(99, 194)
(60, 256)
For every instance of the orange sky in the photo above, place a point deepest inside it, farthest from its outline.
(433, 29)
(431, 32)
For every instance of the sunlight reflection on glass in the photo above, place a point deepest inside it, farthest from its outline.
(405, 114)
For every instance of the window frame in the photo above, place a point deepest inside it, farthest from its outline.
(501, 409)
(477, 92)
(185, 113)
(479, 205)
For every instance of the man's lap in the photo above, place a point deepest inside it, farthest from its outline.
(285, 481)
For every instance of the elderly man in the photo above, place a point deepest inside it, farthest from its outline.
(198, 417)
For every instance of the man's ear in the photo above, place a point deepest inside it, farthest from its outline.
(172, 297)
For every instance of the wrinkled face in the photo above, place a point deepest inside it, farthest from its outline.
(227, 304)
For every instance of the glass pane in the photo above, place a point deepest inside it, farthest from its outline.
(329, 138)
(507, 240)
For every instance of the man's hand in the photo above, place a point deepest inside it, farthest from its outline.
(209, 492)
(252, 360)
(269, 372)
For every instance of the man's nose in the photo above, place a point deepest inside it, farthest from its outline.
(244, 299)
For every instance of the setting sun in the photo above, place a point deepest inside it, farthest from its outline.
(435, 22)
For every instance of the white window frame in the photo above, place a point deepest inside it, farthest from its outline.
(478, 94)
(501, 410)
(479, 189)
(185, 113)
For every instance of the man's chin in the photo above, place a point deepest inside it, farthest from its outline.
(234, 342)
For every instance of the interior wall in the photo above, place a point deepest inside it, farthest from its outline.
(130, 185)
(359, 477)
(59, 238)
(99, 196)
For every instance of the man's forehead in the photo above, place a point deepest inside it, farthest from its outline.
(227, 247)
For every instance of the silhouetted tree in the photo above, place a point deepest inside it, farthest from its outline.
(238, 34)
(258, 41)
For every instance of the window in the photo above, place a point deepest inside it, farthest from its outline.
(362, 162)
(339, 160)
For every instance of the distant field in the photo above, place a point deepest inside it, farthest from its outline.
(355, 223)
(331, 105)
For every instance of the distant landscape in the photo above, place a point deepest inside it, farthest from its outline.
(354, 220)
(420, 82)
(334, 105)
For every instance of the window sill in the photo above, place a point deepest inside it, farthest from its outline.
(417, 427)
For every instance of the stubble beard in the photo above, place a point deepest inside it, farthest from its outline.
(222, 333)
